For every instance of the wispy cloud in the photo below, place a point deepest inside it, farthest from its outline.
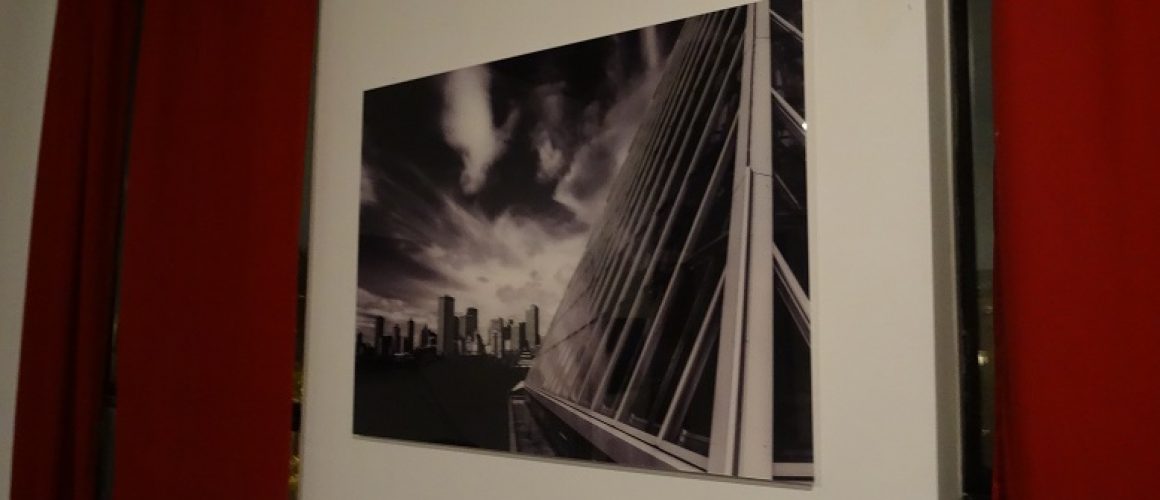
(607, 136)
(468, 124)
(367, 195)
(499, 266)
(516, 237)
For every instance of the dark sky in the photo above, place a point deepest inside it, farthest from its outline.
(482, 183)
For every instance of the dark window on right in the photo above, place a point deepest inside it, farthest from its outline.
(792, 411)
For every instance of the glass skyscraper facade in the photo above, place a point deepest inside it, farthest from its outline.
(682, 340)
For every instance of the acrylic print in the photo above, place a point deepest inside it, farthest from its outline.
(596, 252)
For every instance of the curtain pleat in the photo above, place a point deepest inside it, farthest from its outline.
(1077, 240)
(205, 347)
(68, 313)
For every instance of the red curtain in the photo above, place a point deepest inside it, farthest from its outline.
(207, 321)
(1077, 242)
(219, 102)
(68, 311)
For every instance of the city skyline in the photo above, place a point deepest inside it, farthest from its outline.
(467, 328)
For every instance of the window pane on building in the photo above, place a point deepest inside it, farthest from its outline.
(792, 425)
(790, 10)
(788, 73)
(696, 412)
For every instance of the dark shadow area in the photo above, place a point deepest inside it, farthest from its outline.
(460, 401)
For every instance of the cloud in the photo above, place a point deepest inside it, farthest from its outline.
(498, 265)
(501, 257)
(468, 124)
(551, 137)
(396, 311)
(551, 157)
(598, 158)
(650, 47)
(367, 195)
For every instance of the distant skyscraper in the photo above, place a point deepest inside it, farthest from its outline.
(397, 340)
(471, 319)
(411, 335)
(495, 336)
(533, 321)
(460, 334)
(521, 332)
(445, 315)
(512, 334)
(380, 336)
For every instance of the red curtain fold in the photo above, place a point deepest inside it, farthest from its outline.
(207, 322)
(1077, 241)
(68, 311)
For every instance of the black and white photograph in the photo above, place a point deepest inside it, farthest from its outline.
(596, 252)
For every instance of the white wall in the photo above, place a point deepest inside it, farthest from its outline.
(883, 342)
(25, 40)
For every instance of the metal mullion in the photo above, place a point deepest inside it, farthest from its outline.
(755, 414)
(672, 110)
(633, 179)
(690, 456)
(797, 314)
(617, 236)
(786, 25)
(628, 432)
(639, 196)
(652, 337)
(672, 84)
(795, 119)
(632, 203)
(653, 164)
(635, 152)
(799, 301)
(608, 227)
(724, 437)
(785, 191)
(621, 426)
(686, 455)
(698, 356)
(595, 254)
(682, 190)
(685, 130)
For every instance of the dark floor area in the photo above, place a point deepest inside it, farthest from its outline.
(458, 401)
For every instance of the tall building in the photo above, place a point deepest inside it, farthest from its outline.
(532, 318)
(411, 335)
(461, 334)
(511, 339)
(396, 340)
(692, 296)
(445, 315)
(520, 331)
(380, 336)
(471, 323)
(428, 336)
(496, 336)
